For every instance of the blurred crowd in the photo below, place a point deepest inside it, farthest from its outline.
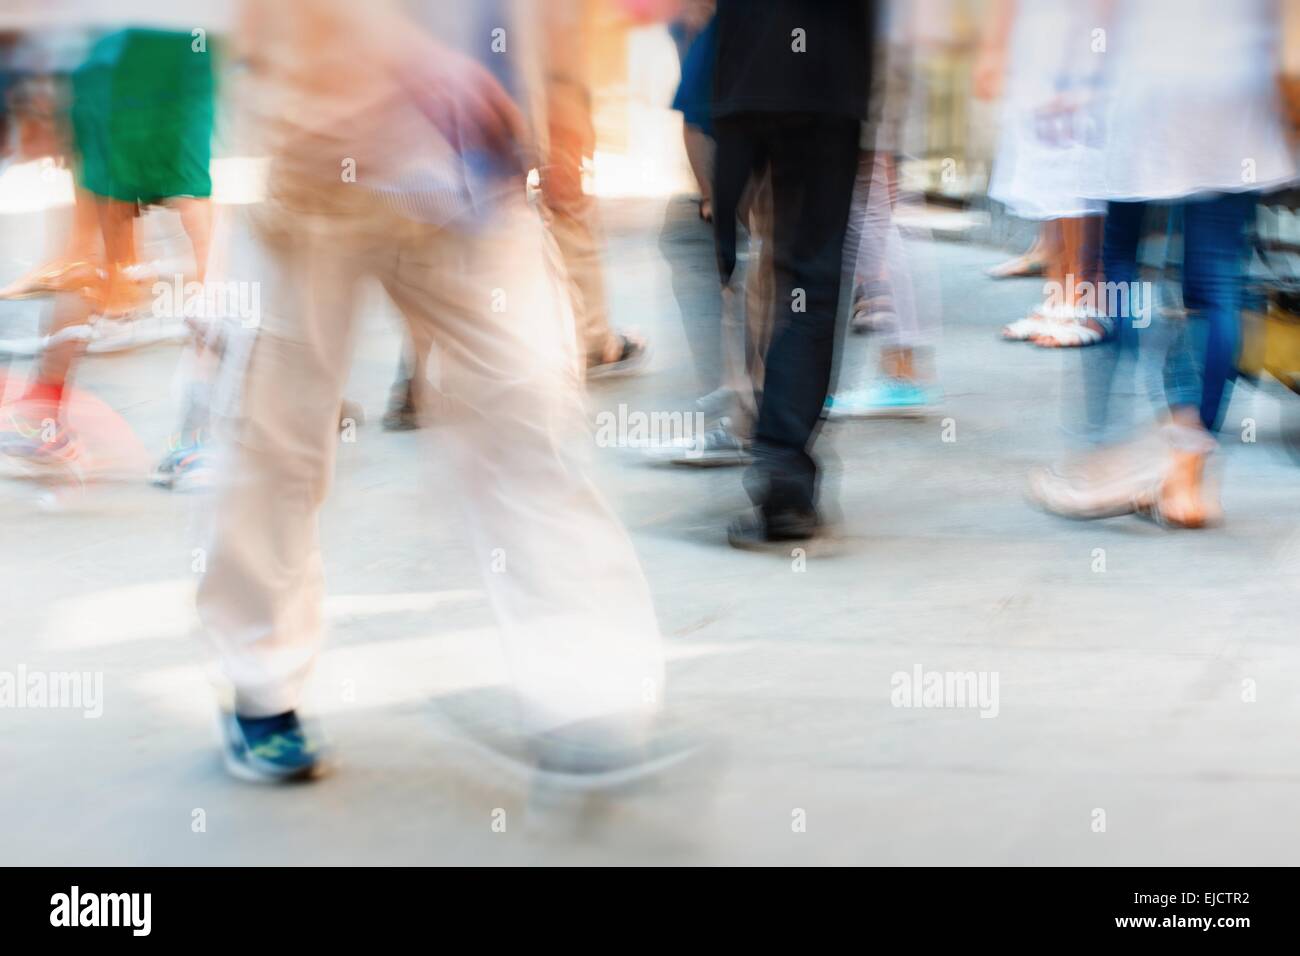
(446, 150)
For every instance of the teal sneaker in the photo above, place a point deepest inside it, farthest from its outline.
(887, 398)
(187, 466)
(275, 749)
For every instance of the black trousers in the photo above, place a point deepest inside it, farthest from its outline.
(812, 160)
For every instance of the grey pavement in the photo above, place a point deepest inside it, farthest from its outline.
(1146, 713)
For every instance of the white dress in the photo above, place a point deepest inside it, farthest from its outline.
(1039, 169)
(1190, 102)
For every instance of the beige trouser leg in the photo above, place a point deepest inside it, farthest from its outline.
(260, 599)
(572, 215)
(577, 233)
(574, 608)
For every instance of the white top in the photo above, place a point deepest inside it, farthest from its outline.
(1040, 170)
(1189, 100)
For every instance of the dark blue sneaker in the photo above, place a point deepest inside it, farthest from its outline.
(271, 749)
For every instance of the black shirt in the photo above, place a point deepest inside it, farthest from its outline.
(800, 56)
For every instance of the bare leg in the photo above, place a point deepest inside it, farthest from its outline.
(1053, 251)
(83, 239)
(699, 152)
(196, 219)
(1079, 244)
(117, 224)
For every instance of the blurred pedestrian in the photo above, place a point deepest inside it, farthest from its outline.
(790, 96)
(437, 213)
(1193, 123)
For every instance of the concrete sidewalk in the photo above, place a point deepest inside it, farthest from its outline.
(1146, 680)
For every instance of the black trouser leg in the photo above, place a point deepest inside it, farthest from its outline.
(813, 162)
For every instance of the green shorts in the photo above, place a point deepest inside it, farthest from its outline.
(142, 112)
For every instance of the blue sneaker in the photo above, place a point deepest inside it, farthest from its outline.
(887, 398)
(186, 467)
(271, 749)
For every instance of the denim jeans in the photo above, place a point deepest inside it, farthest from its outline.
(1201, 359)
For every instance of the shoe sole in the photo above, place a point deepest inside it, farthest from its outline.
(733, 461)
(895, 414)
(526, 770)
(250, 774)
(1099, 513)
(782, 546)
(613, 779)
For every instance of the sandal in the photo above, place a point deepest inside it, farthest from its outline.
(1034, 324)
(1078, 332)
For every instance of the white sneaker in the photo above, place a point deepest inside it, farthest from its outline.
(719, 447)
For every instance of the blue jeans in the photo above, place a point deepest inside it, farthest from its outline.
(1201, 362)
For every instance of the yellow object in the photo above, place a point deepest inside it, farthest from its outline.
(1271, 343)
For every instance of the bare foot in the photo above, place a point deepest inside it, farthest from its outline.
(1184, 499)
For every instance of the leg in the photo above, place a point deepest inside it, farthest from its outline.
(403, 411)
(813, 167)
(734, 192)
(916, 324)
(699, 153)
(1053, 251)
(686, 244)
(894, 295)
(577, 233)
(573, 219)
(196, 220)
(865, 236)
(759, 289)
(117, 224)
(1203, 363)
(737, 159)
(1122, 233)
(260, 600)
(83, 240)
(747, 311)
(1214, 243)
(574, 608)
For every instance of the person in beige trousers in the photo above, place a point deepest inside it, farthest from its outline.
(474, 271)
